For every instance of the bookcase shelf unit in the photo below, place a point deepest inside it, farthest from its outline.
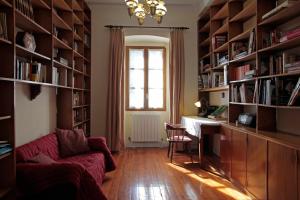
(243, 21)
(62, 32)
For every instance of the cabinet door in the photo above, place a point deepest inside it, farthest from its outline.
(238, 159)
(282, 172)
(256, 166)
(225, 151)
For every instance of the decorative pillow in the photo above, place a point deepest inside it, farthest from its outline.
(72, 142)
(41, 158)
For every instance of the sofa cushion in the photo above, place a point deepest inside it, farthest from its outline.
(94, 163)
(42, 159)
(71, 142)
(48, 145)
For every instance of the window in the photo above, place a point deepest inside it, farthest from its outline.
(146, 78)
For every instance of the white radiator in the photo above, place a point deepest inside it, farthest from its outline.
(146, 128)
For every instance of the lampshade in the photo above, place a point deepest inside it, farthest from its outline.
(161, 10)
(198, 104)
(132, 3)
(152, 4)
(140, 13)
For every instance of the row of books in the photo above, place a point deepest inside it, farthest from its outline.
(204, 66)
(58, 58)
(31, 71)
(76, 116)
(267, 92)
(85, 113)
(220, 59)
(244, 93)
(5, 147)
(25, 6)
(295, 94)
(242, 72)
(218, 79)
(278, 8)
(87, 40)
(76, 99)
(3, 26)
(59, 77)
(218, 41)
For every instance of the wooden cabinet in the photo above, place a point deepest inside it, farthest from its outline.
(256, 166)
(282, 172)
(238, 159)
(225, 151)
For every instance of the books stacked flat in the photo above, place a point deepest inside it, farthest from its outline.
(5, 147)
(3, 26)
(218, 41)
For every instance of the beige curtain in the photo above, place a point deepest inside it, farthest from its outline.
(176, 75)
(115, 100)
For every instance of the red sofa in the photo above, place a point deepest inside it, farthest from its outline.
(78, 177)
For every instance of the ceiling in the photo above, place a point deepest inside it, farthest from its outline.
(168, 2)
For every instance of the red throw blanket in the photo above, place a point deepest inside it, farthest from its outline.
(34, 179)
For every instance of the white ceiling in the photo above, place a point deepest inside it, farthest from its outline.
(170, 2)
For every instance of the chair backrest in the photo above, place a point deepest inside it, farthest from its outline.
(174, 131)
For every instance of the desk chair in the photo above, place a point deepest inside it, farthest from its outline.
(176, 134)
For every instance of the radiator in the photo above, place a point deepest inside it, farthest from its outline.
(146, 128)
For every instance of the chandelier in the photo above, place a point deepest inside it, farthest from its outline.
(155, 8)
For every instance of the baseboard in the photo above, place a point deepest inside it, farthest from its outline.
(147, 144)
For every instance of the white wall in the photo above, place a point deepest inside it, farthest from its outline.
(34, 118)
(106, 14)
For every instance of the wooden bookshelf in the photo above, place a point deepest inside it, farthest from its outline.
(239, 20)
(66, 16)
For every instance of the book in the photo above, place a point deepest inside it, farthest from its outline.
(295, 94)
(285, 4)
(251, 43)
(3, 26)
(290, 35)
(5, 150)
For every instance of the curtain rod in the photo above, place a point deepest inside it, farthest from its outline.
(162, 27)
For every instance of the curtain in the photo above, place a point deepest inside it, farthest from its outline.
(115, 99)
(176, 75)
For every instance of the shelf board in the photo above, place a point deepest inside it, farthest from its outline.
(60, 23)
(86, 30)
(283, 16)
(205, 56)
(279, 107)
(77, 37)
(4, 156)
(7, 79)
(60, 65)
(216, 89)
(242, 36)
(2, 40)
(222, 13)
(5, 3)
(244, 80)
(243, 104)
(42, 84)
(62, 5)
(24, 22)
(76, 6)
(283, 45)
(221, 66)
(222, 48)
(223, 29)
(218, 2)
(4, 192)
(78, 72)
(248, 57)
(40, 4)
(205, 42)
(278, 75)
(77, 55)
(76, 20)
(205, 28)
(5, 117)
(81, 106)
(60, 44)
(22, 51)
(246, 13)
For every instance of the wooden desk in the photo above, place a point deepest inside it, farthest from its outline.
(198, 127)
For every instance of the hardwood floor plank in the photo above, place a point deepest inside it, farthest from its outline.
(147, 174)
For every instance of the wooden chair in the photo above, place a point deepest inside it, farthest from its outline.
(176, 134)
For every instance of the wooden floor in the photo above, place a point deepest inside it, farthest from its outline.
(147, 174)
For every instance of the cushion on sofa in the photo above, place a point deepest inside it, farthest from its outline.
(94, 163)
(71, 142)
(42, 159)
(48, 145)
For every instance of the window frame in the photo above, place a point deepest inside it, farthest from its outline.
(146, 99)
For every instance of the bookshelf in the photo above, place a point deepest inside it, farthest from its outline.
(262, 70)
(62, 34)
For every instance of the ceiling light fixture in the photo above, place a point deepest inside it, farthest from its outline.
(155, 8)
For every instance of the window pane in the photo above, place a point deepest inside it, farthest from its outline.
(155, 58)
(136, 78)
(156, 98)
(136, 98)
(136, 58)
(155, 80)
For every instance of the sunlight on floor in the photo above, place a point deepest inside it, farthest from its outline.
(212, 183)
